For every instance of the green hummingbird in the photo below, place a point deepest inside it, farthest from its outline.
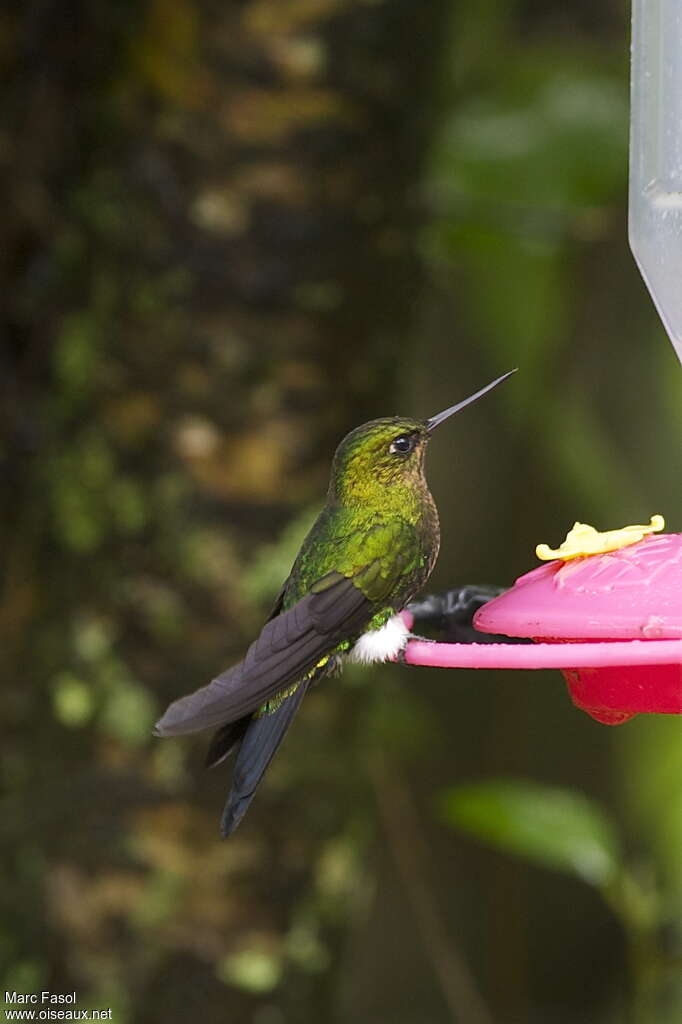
(371, 549)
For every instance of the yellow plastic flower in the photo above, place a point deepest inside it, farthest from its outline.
(585, 540)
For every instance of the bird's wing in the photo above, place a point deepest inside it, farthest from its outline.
(288, 647)
(337, 607)
(279, 601)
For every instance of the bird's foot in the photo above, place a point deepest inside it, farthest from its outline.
(458, 605)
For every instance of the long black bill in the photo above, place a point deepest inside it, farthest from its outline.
(438, 419)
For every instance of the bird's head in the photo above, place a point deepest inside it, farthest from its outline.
(384, 454)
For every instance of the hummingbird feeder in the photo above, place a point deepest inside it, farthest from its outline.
(607, 610)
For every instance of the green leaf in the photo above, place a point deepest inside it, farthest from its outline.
(557, 828)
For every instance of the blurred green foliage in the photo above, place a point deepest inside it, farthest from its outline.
(558, 828)
(561, 829)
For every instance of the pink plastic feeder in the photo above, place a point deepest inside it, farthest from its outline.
(611, 622)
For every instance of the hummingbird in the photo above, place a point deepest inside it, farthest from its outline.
(371, 549)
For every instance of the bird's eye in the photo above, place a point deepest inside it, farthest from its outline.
(402, 445)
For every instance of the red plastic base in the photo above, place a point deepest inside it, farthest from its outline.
(614, 695)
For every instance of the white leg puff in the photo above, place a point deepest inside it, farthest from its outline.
(381, 644)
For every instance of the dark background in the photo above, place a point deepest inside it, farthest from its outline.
(231, 231)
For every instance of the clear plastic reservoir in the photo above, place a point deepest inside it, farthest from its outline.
(655, 204)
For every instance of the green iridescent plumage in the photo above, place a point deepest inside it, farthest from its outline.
(379, 527)
(371, 549)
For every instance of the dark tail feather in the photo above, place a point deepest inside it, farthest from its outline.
(262, 738)
(225, 740)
